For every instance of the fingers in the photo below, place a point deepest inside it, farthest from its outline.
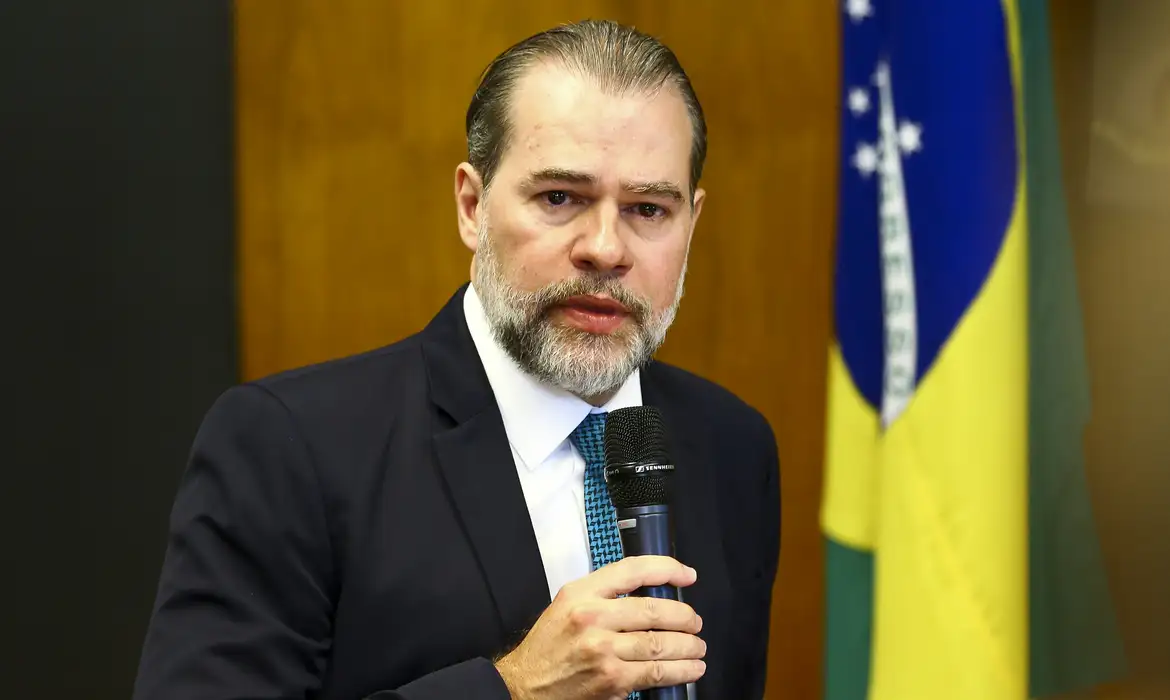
(636, 614)
(641, 660)
(664, 674)
(658, 646)
(629, 574)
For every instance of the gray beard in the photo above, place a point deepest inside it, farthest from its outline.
(584, 364)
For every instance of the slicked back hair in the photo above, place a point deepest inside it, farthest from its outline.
(620, 59)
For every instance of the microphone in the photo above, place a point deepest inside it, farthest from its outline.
(639, 474)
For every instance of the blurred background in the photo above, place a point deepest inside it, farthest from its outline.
(199, 193)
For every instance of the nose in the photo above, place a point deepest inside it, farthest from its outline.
(601, 248)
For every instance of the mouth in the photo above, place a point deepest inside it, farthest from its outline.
(593, 314)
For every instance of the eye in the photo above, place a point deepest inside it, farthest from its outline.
(649, 211)
(556, 198)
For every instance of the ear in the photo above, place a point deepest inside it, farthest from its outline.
(697, 208)
(468, 198)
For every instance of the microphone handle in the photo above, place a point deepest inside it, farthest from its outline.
(647, 530)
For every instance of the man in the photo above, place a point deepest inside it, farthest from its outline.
(413, 523)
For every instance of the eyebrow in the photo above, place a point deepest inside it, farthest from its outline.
(660, 188)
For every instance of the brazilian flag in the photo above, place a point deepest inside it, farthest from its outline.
(962, 561)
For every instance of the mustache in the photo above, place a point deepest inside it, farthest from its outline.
(591, 285)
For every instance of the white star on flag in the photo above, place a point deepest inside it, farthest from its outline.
(865, 159)
(858, 101)
(910, 137)
(858, 9)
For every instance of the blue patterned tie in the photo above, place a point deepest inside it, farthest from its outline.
(605, 542)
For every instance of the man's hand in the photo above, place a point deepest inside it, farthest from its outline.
(591, 644)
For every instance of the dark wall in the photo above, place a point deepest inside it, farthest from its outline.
(117, 223)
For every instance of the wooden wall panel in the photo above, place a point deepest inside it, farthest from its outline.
(350, 125)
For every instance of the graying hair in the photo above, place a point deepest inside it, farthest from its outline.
(621, 59)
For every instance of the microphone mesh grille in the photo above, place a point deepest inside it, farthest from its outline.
(636, 436)
(652, 489)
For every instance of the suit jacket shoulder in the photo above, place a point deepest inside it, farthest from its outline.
(707, 402)
(351, 384)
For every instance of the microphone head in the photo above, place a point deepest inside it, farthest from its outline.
(638, 467)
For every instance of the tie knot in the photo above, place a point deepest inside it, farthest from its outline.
(589, 438)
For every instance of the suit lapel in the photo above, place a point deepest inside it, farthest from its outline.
(476, 463)
(694, 509)
(481, 480)
(696, 518)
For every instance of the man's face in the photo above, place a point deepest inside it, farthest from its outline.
(581, 244)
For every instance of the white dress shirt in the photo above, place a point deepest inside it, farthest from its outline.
(539, 420)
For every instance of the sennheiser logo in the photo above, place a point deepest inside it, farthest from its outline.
(642, 468)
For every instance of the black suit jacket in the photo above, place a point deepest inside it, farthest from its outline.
(357, 529)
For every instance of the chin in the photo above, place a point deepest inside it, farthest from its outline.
(571, 338)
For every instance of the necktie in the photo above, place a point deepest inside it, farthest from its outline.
(605, 542)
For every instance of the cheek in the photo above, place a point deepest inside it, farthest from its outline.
(661, 268)
(531, 257)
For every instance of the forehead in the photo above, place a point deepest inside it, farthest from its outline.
(560, 118)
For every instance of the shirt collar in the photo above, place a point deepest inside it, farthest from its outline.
(537, 417)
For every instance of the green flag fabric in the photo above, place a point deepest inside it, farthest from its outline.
(1074, 642)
